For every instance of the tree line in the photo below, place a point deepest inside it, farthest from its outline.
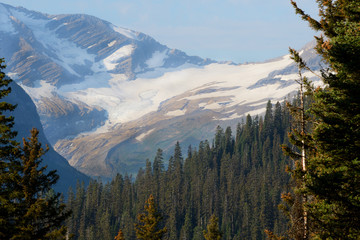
(238, 178)
(231, 186)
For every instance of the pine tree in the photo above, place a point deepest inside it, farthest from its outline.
(332, 177)
(29, 208)
(7, 122)
(40, 214)
(9, 164)
(213, 232)
(301, 141)
(209, 181)
(119, 236)
(149, 226)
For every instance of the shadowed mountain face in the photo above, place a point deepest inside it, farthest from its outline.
(108, 97)
(27, 118)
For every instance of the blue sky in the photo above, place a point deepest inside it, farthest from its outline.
(224, 30)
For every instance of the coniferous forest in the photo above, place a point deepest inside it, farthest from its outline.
(232, 187)
(238, 177)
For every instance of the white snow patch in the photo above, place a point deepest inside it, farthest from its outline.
(92, 45)
(293, 77)
(263, 104)
(213, 106)
(143, 135)
(231, 117)
(41, 89)
(68, 53)
(201, 105)
(111, 61)
(176, 113)
(159, 72)
(126, 32)
(112, 43)
(12, 75)
(255, 112)
(157, 59)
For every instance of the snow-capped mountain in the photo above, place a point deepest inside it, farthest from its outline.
(108, 97)
(59, 58)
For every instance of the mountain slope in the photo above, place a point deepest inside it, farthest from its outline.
(221, 95)
(27, 118)
(55, 51)
(108, 97)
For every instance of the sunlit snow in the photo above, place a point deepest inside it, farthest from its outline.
(111, 61)
(129, 100)
(126, 100)
(143, 135)
(41, 89)
(176, 113)
(157, 59)
(67, 52)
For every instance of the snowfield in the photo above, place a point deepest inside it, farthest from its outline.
(126, 100)
(133, 94)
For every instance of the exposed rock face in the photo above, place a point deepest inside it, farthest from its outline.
(61, 50)
(62, 118)
(108, 97)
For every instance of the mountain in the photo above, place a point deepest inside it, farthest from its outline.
(63, 50)
(26, 118)
(108, 97)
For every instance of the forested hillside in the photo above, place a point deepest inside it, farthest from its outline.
(238, 176)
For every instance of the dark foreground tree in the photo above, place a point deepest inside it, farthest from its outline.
(294, 202)
(40, 214)
(333, 174)
(9, 164)
(29, 208)
(149, 226)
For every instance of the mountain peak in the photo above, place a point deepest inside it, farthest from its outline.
(106, 95)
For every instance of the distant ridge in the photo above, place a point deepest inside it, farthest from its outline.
(108, 97)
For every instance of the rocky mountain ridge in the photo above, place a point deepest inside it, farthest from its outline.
(108, 97)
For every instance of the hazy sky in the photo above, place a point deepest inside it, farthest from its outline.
(235, 30)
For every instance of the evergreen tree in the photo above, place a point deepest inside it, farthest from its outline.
(9, 164)
(213, 232)
(119, 236)
(301, 140)
(149, 226)
(268, 121)
(332, 177)
(29, 208)
(40, 214)
(158, 174)
(231, 183)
